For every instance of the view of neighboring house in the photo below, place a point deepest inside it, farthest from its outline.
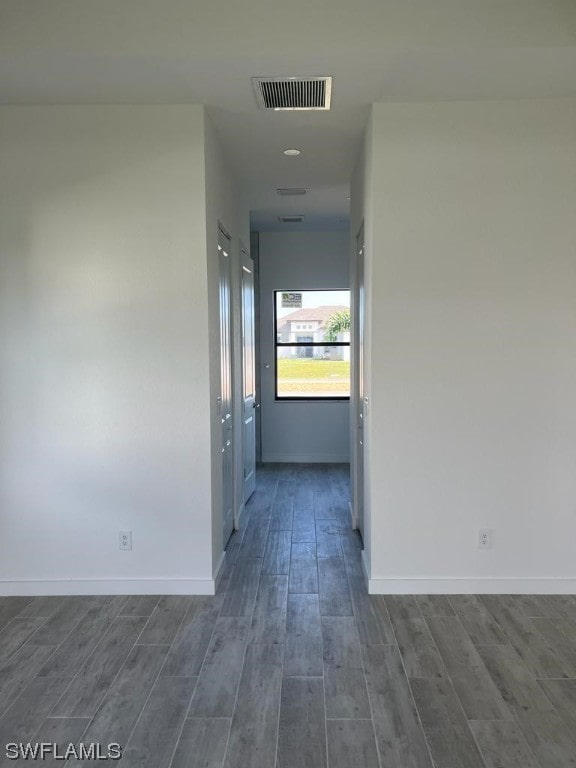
(311, 325)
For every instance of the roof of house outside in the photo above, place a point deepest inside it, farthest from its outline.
(319, 314)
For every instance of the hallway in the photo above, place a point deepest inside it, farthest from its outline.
(292, 664)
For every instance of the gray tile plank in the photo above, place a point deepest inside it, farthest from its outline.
(340, 523)
(65, 618)
(10, 607)
(283, 508)
(15, 634)
(328, 539)
(304, 497)
(562, 694)
(218, 681)
(344, 681)
(40, 607)
(277, 553)
(322, 504)
(503, 745)
(269, 619)
(303, 526)
(333, 587)
(565, 605)
(282, 517)
(163, 624)
(415, 642)
(84, 695)
(352, 743)
(202, 743)
(560, 635)
(19, 669)
(398, 732)
(352, 551)
(63, 732)
(188, 650)
(402, 607)
(434, 605)
(21, 721)
(302, 730)
(254, 729)
(286, 490)
(447, 731)
(140, 605)
(303, 569)
(477, 620)
(303, 637)
(532, 647)
(535, 606)
(262, 500)
(119, 711)
(372, 619)
(241, 594)
(152, 742)
(82, 640)
(418, 650)
(254, 541)
(474, 687)
(551, 740)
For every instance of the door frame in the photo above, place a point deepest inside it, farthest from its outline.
(358, 402)
(245, 257)
(227, 438)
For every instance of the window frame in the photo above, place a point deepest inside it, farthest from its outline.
(278, 344)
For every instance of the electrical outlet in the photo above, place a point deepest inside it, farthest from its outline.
(125, 540)
(485, 538)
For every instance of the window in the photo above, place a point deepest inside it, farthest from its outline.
(312, 331)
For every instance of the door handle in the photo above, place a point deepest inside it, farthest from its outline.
(255, 405)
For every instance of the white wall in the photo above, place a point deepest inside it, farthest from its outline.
(103, 350)
(473, 349)
(300, 431)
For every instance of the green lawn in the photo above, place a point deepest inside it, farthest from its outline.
(307, 368)
(302, 376)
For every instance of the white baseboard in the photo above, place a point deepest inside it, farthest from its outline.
(471, 586)
(306, 458)
(33, 587)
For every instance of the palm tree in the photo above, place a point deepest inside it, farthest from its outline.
(337, 323)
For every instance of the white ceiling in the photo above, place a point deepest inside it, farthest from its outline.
(206, 51)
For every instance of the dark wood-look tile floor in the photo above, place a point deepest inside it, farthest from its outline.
(292, 664)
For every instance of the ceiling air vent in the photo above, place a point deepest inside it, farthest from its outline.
(296, 219)
(293, 93)
(291, 191)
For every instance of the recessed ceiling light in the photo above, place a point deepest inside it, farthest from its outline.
(291, 152)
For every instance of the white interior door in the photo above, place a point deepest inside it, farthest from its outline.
(359, 400)
(249, 403)
(225, 397)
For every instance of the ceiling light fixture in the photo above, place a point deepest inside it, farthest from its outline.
(291, 152)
